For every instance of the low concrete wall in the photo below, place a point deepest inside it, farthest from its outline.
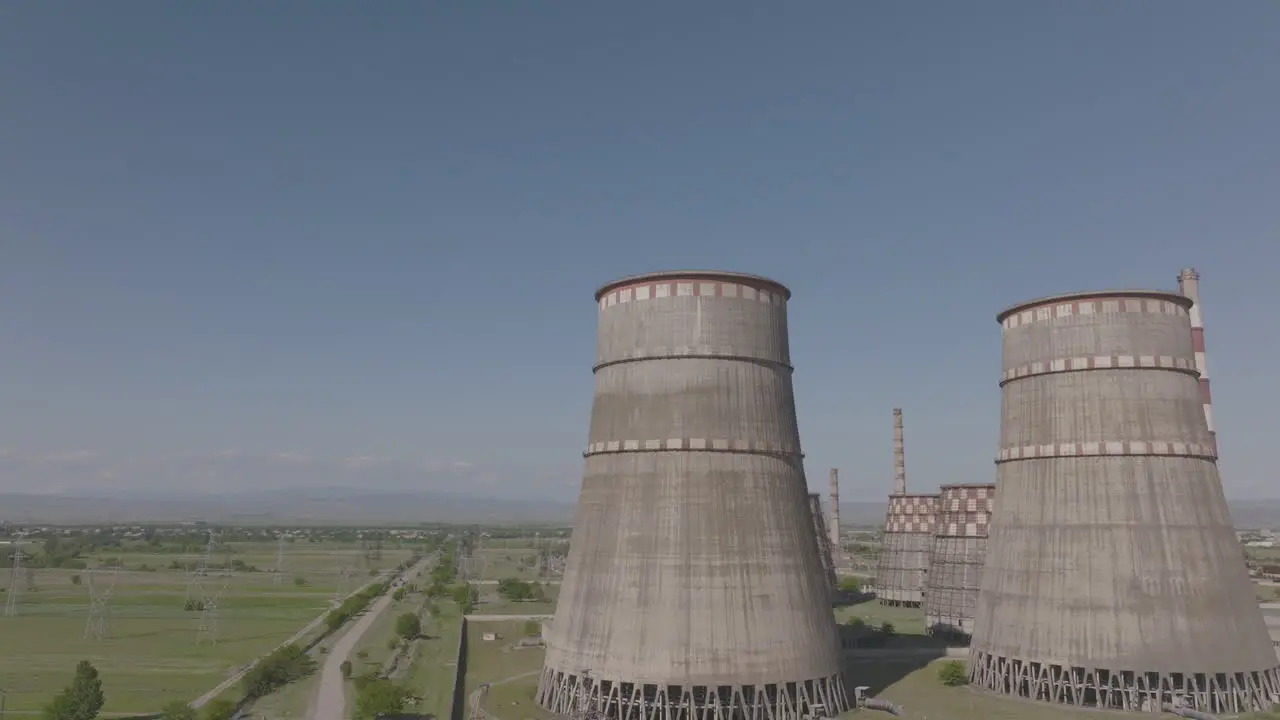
(458, 706)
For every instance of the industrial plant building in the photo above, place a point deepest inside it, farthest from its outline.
(694, 588)
(1113, 576)
(909, 526)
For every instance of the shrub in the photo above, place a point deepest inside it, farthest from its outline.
(219, 709)
(887, 629)
(278, 669)
(952, 673)
(345, 669)
(75, 579)
(178, 710)
(408, 626)
(379, 697)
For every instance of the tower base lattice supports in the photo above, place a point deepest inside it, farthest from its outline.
(1126, 689)
(566, 693)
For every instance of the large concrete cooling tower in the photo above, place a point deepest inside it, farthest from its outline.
(693, 589)
(1113, 574)
(909, 525)
(955, 564)
(824, 542)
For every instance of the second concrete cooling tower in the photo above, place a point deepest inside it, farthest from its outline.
(693, 589)
(1113, 574)
(955, 563)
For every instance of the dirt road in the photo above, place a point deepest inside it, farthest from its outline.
(330, 702)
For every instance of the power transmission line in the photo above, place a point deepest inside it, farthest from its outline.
(99, 595)
(16, 580)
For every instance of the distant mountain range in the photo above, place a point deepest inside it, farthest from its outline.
(355, 506)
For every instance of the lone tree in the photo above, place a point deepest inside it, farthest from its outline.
(408, 626)
(81, 700)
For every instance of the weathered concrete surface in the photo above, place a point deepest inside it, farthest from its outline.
(825, 552)
(1112, 552)
(694, 561)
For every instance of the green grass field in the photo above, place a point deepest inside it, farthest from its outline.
(149, 655)
(917, 689)
(512, 672)
(500, 563)
(906, 621)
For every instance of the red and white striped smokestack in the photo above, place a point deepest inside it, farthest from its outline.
(834, 526)
(899, 456)
(1189, 285)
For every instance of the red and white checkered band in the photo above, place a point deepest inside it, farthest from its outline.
(1099, 362)
(1128, 447)
(913, 504)
(753, 292)
(1089, 307)
(949, 493)
(964, 524)
(959, 529)
(917, 525)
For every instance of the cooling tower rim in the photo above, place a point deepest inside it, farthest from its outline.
(1173, 297)
(708, 275)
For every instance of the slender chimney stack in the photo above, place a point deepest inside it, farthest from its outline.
(1189, 286)
(834, 528)
(899, 456)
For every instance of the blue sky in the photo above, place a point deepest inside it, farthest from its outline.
(251, 245)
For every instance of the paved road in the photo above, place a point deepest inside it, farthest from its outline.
(330, 702)
(205, 698)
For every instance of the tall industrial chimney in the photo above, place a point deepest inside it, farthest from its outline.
(693, 587)
(899, 455)
(1113, 575)
(834, 528)
(1189, 285)
(909, 524)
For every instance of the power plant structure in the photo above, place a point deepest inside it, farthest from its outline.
(956, 560)
(909, 526)
(1189, 286)
(693, 588)
(825, 552)
(1113, 576)
(833, 527)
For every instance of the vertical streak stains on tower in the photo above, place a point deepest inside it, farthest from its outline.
(904, 555)
(693, 589)
(908, 535)
(1113, 575)
(834, 526)
(955, 564)
(824, 542)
